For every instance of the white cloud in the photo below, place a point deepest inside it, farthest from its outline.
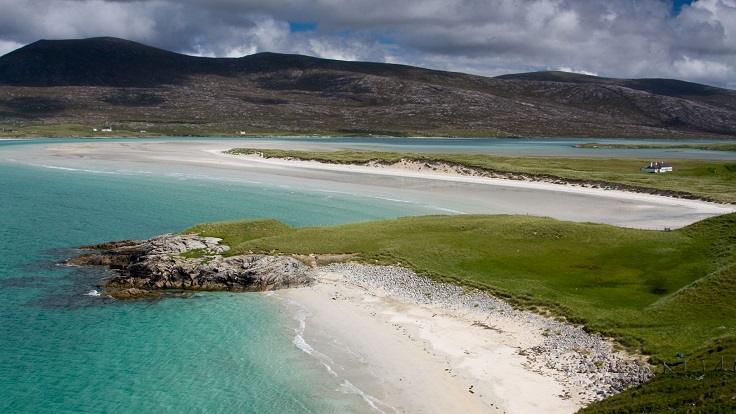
(580, 72)
(9, 46)
(700, 69)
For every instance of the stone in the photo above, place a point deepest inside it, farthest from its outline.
(142, 267)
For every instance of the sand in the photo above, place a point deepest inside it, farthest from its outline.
(425, 192)
(410, 345)
(406, 358)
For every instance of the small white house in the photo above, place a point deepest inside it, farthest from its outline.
(657, 167)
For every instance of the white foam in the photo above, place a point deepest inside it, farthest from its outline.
(347, 388)
(301, 316)
(93, 293)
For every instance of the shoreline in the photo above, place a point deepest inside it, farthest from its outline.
(460, 174)
(446, 171)
(393, 328)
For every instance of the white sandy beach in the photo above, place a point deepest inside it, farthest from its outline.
(408, 346)
(409, 359)
(402, 353)
(434, 192)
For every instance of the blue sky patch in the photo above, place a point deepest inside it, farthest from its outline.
(296, 27)
(677, 5)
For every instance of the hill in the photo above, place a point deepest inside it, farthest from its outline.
(68, 87)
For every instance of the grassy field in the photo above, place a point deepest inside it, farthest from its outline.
(711, 180)
(662, 293)
(172, 128)
(709, 147)
(659, 292)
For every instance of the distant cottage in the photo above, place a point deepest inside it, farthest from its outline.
(657, 167)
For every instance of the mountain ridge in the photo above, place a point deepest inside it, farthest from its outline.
(133, 86)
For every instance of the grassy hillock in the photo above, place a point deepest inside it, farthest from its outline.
(662, 293)
(695, 392)
(707, 147)
(710, 180)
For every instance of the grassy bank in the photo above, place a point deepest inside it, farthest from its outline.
(711, 180)
(695, 392)
(659, 292)
(132, 128)
(662, 293)
(707, 147)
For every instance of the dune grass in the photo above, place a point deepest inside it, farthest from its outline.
(711, 180)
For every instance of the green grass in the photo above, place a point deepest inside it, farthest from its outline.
(695, 392)
(131, 128)
(708, 147)
(70, 130)
(711, 180)
(662, 293)
(658, 292)
(235, 233)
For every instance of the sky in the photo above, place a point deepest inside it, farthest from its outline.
(689, 40)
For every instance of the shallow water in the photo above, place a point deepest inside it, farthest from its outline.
(63, 350)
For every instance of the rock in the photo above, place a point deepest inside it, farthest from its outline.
(143, 267)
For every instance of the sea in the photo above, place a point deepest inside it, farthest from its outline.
(65, 349)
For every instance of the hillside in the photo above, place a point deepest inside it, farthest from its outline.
(664, 293)
(70, 86)
(660, 292)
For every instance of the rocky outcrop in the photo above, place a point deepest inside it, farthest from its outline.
(188, 262)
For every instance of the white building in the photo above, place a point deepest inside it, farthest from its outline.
(657, 167)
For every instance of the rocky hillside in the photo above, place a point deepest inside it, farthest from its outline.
(132, 87)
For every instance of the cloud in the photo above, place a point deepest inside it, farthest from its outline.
(8, 46)
(617, 38)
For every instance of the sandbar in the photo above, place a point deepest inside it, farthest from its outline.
(427, 192)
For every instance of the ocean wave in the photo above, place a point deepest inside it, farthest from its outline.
(347, 388)
(300, 316)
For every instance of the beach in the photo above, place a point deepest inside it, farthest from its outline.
(433, 191)
(400, 342)
(410, 345)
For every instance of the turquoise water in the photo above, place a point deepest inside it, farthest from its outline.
(557, 147)
(62, 350)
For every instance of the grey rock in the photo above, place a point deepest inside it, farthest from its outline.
(157, 263)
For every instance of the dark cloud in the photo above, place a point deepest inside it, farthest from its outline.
(692, 40)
